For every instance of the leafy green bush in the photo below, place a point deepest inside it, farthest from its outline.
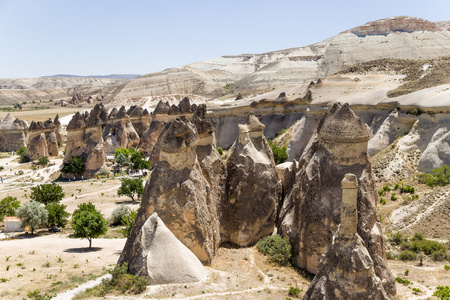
(442, 292)
(220, 150)
(128, 221)
(402, 280)
(294, 291)
(8, 207)
(416, 290)
(426, 246)
(22, 152)
(279, 153)
(439, 177)
(393, 197)
(407, 255)
(276, 247)
(117, 217)
(397, 238)
(43, 161)
(75, 165)
(382, 201)
(418, 237)
(57, 215)
(33, 215)
(440, 255)
(407, 189)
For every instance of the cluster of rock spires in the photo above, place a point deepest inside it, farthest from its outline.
(205, 202)
(96, 134)
(41, 139)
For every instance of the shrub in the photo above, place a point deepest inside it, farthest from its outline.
(418, 237)
(439, 177)
(276, 247)
(220, 150)
(382, 201)
(128, 221)
(43, 161)
(442, 292)
(118, 215)
(397, 238)
(440, 255)
(402, 280)
(389, 255)
(8, 207)
(138, 161)
(88, 222)
(75, 165)
(33, 215)
(446, 267)
(416, 290)
(393, 197)
(407, 255)
(279, 153)
(426, 246)
(22, 152)
(406, 189)
(294, 291)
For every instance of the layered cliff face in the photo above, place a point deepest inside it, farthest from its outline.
(253, 188)
(311, 209)
(84, 138)
(13, 133)
(180, 194)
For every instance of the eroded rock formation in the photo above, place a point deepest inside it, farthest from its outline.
(13, 133)
(43, 139)
(180, 194)
(84, 138)
(347, 270)
(253, 188)
(119, 132)
(161, 257)
(311, 209)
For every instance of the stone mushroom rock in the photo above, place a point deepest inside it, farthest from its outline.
(253, 188)
(37, 142)
(213, 167)
(119, 131)
(347, 271)
(179, 192)
(311, 209)
(57, 132)
(139, 118)
(161, 257)
(13, 133)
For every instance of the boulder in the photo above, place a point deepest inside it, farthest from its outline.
(311, 209)
(347, 270)
(161, 257)
(180, 194)
(253, 188)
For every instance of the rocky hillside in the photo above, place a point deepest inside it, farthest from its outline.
(398, 37)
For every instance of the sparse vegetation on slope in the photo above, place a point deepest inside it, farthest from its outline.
(420, 74)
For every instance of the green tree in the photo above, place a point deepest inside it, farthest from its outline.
(57, 215)
(43, 161)
(22, 152)
(439, 177)
(75, 165)
(131, 187)
(124, 151)
(88, 222)
(138, 161)
(8, 207)
(122, 160)
(47, 193)
(33, 215)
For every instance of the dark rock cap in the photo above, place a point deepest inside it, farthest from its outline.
(180, 134)
(185, 105)
(56, 121)
(49, 124)
(162, 108)
(113, 113)
(122, 113)
(342, 125)
(77, 122)
(199, 119)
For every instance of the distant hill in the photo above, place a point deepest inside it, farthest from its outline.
(110, 76)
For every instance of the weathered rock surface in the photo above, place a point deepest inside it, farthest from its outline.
(180, 194)
(437, 152)
(253, 188)
(347, 270)
(139, 117)
(311, 210)
(84, 138)
(13, 133)
(161, 257)
(119, 132)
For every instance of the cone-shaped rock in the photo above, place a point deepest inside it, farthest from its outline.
(179, 193)
(311, 210)
(161, 257)
(253, 188)
(347, 269)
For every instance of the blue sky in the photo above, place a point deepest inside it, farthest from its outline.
(47, 37)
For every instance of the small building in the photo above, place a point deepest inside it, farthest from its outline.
(12, 224)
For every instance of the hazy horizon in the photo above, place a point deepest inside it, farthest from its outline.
(49, 37)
